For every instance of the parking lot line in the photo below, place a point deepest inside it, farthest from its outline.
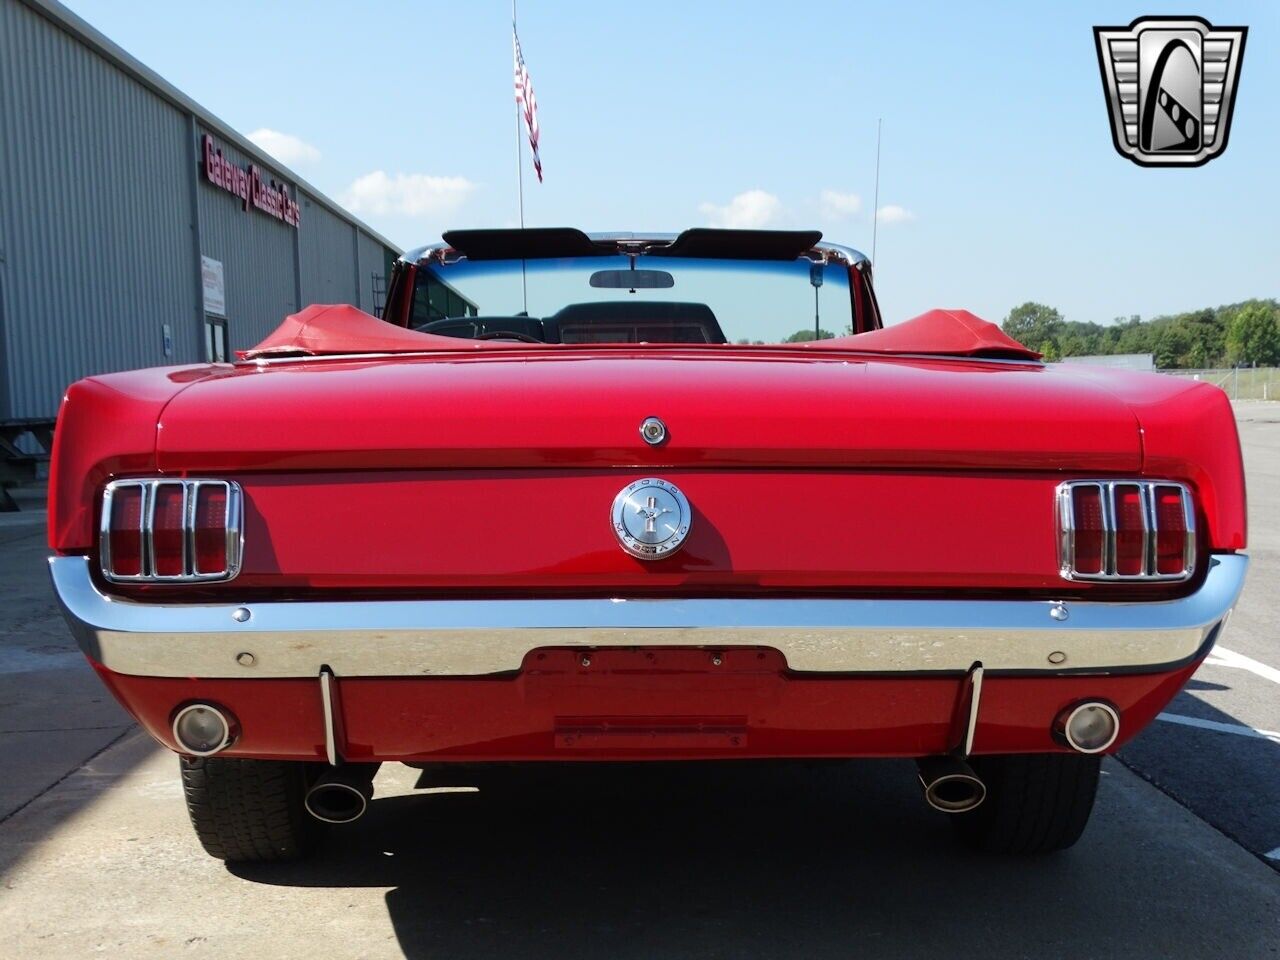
(1221, 657)
(1236, 728)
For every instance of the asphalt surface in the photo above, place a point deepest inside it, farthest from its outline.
(1228, 772)
(741, 860)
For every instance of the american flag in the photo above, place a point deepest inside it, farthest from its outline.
(527, 101)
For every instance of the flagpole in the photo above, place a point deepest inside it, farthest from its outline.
(519, 148)
(524, 284)
(875, 205)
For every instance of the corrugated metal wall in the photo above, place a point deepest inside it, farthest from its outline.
(328, 256)
(257, 255)
(97, 219)
(101, 204)
(372, 260)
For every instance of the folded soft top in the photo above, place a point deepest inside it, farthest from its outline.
(342, 329)
(945, 332)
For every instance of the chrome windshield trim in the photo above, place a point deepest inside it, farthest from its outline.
(479, 637)
(434, 251)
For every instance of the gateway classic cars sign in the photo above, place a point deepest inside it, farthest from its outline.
(249, 185)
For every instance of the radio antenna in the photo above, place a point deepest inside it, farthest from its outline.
(875, 205)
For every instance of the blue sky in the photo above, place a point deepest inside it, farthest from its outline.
(997, 159)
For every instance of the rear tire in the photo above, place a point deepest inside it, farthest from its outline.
(1036, 804)
(250, 810)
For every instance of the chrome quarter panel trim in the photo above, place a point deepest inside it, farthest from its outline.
(478, 637)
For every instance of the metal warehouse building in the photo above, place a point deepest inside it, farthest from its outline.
(138, 230)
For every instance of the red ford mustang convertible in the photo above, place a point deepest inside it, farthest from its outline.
(624, 497)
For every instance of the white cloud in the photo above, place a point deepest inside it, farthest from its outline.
(892, 213)
(285, 147)
(410, 194)
(837, 205)
(750, 210)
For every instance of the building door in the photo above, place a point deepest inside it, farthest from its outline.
(215, 339)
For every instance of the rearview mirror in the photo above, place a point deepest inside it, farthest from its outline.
(632, 279)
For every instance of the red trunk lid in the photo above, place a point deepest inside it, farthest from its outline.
(735, 408)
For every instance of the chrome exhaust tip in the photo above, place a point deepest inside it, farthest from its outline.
(341, 796)
(950, 785)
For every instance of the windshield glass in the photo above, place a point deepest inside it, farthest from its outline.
(634, 299)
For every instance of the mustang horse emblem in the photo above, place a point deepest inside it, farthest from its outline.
(650, 518)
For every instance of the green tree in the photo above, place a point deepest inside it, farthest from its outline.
(1136, 338)
(1075, 344)
(803, 336)
(1171, 346)
(1049, 350)
(1198, 356)
(1254, 335)
(1032, 322)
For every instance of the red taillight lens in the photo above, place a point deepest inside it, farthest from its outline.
(1171, 530)
(1131, 531)
(211, 529)
(124, 532)
(1126, 530)
(171, 530)
(1086, 509)
(168, 531)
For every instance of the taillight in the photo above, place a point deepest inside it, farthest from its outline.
(171, 530)
(1174, 545)
(168, 530)
(211, 530)
(1131, 529)
(123, 543)
(1090, 529)
(1126, 530)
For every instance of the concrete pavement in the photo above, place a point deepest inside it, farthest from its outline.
(753, 860)
(1207, 751)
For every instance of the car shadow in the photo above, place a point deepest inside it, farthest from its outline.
(742, 859)
(1203, 685)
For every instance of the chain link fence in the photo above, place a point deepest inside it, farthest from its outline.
(1240, 383)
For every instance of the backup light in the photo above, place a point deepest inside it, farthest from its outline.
(171, 531)
(201, 729)
(1089, 727)
(1125, 530)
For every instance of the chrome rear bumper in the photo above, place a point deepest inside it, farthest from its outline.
(477, 637)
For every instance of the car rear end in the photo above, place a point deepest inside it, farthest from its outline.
(543, 538)
(301, 574)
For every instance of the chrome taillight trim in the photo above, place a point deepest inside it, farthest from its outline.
(1148, 489)
(190, 493)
